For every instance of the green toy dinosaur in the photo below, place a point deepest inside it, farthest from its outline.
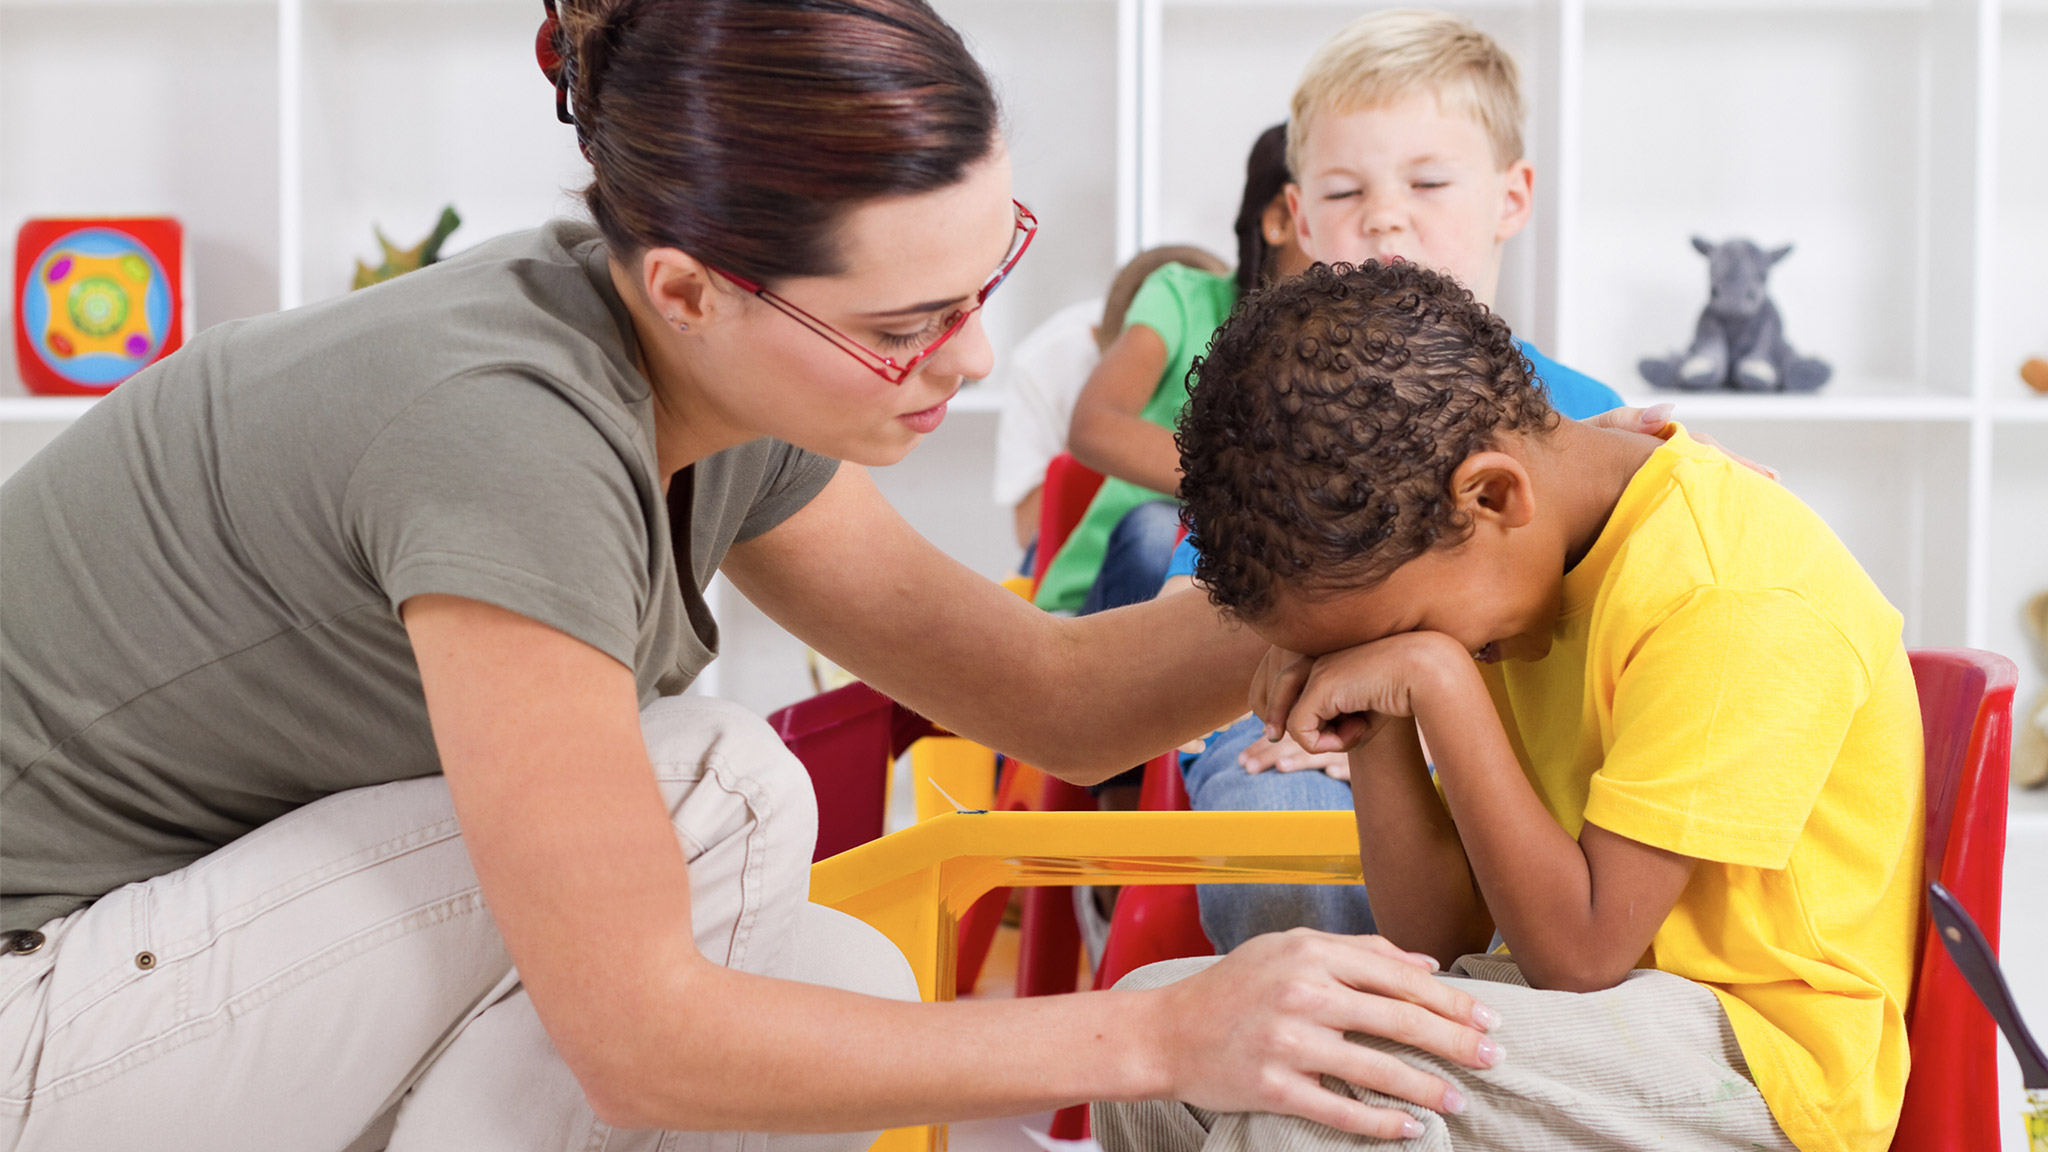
(398, 262)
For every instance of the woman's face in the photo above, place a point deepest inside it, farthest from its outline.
(911, 263)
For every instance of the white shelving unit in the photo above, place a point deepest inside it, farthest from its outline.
(1902, 145)
(1899, 143)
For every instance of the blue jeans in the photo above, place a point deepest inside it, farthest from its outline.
(1140, 549)
(1234, 913)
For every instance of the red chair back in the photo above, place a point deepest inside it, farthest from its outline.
(1070, 486)
(1966, 716)
(847, 739)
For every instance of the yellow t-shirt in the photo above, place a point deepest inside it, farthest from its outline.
(1725, 682)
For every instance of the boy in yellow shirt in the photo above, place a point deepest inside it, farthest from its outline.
(1677, 747)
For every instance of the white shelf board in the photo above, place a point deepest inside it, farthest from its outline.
(46, 5)
(2021, 411)
(44, 409)
(1847, 406)
(1850, 7)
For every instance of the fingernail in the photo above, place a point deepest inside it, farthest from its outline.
(1454, 1101)
(1485, 1017)
(1658, 413)
(1430, 961)
(1491, 1054)
(1411, 1129)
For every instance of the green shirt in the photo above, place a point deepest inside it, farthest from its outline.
(199, 591)
(1185, 306)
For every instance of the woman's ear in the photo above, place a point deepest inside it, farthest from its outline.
(1494, 488)
(683, 289)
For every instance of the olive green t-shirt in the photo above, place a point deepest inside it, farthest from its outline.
(200, 579)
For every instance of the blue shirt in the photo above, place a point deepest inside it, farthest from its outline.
(1572, 392)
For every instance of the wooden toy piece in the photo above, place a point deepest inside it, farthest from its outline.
(2030, 736)
(398, 261)
(2035, 373)
(96, 300)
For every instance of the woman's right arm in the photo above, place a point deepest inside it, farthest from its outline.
(1106, 431)
(539, 738)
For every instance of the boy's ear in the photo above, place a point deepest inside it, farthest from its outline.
(1494, 488)
(1300, 221)
(1518, 201)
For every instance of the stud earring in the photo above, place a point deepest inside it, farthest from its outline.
(677, 321)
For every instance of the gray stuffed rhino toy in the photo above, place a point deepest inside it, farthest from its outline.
(1740, 341)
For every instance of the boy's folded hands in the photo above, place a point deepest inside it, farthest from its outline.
(1339, 701)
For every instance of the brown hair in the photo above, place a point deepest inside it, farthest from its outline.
(743, 131)
(1323, 427)
(1132, 276)
(1265, 177)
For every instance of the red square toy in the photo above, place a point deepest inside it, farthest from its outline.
(96, 300)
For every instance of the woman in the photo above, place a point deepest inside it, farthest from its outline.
(346, 780)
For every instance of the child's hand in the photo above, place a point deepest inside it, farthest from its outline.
(1344, 698)
(1288, 756)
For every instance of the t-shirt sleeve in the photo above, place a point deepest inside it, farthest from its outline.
(1161, 304)
(791, 480)
(495, 488)
(1571, 391)
(1185, 557)
(1727, 720)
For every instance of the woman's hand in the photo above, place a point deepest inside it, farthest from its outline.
(1286, 755)
(1255, 1031)
(1652, 421)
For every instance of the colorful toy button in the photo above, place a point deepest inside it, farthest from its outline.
(97, 301)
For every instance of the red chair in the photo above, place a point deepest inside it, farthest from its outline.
(847, 739)
(1966, 715)
(1070, 486)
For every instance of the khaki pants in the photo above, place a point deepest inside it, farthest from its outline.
(333, 979)
(1651, 1063)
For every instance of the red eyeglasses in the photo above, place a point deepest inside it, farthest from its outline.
(886, 366)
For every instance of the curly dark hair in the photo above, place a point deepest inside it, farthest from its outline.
(1323, 426)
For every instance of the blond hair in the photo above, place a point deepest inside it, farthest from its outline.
(1384, 57)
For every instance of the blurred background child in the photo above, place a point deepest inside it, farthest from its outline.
(1123, 420)
(1045, 376)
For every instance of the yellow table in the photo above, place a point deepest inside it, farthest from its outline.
(915, 885)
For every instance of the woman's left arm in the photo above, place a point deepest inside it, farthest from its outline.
(1082, 698)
